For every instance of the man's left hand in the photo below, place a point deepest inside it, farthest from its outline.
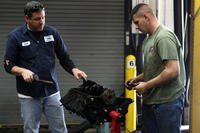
(78, 74)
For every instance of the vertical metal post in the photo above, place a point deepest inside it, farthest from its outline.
(130, 69)
(195, 63)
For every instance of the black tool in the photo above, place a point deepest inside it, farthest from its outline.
(131, 85)
(36, 78)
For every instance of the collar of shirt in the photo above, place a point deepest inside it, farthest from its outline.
(25, 29)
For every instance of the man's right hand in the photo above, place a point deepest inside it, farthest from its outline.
(25, 73)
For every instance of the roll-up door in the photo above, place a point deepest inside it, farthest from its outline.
(94, 33)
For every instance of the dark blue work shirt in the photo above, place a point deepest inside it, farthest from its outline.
(36, 51)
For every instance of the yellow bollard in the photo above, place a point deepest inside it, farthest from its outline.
(195, 63)
(130, 72)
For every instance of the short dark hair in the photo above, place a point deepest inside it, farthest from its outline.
(136, 8)
(31, 7)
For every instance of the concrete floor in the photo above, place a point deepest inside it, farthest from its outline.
(87, 131)
(45, 130)
(94, 131)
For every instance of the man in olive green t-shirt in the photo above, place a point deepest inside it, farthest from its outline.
(163, 79)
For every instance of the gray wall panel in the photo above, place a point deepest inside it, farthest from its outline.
(94, 33)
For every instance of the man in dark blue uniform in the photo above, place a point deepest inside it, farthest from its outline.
(31, 50)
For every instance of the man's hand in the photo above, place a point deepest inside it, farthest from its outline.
(134, 84)
(141, 87)
(134, 81)
(131, 83)
(78, 74)
(25, 73)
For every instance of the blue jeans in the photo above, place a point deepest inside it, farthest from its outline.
(163, 118)
(104, 128)
(32, 109)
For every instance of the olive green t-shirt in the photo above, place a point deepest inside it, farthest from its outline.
(158, 47)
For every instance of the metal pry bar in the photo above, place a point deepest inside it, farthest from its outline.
(36, 78)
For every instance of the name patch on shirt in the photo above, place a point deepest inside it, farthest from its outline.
(48, 38)
(26, 43)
